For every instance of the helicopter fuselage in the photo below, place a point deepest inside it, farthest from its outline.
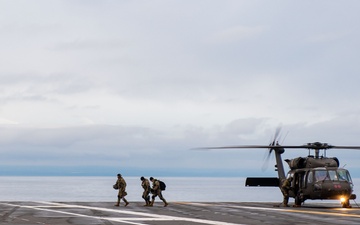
(321, 183)
(316, 177)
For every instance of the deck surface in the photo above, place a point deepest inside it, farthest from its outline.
(189, 213)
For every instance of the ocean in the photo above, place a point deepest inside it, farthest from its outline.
(99, 189)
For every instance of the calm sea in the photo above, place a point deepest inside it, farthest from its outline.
(93, 189)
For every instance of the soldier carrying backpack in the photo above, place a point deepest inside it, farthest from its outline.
(157, 188)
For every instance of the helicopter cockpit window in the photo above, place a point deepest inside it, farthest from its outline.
(333, 175)
(344, 175)
(320, 175)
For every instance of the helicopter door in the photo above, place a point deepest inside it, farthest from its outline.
(303, 181)
(308, 185)
(296, 183)
(309, 179)
(299, 182)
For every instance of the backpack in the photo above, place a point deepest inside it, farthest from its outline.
(162, 185)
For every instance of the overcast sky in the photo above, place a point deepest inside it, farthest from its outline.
(130, 86)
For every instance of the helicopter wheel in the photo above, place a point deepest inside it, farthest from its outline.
(346, 204)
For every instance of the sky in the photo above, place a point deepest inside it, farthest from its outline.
(104, 87)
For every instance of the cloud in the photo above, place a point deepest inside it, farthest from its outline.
(144, 82)
(141, 148)
(327, 37)
(236, 34)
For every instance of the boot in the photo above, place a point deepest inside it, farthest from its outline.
(118, 203)
(285, 203)
(147, 203)
(152, 203)
(165, 203)
(126, 202)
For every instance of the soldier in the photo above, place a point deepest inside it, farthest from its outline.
(285, 188)
(156, 191)
(121, 185)
(146, 194)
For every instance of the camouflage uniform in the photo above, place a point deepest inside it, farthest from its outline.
(145, 184)
(156, 191)
(285, 188)
(121, 185)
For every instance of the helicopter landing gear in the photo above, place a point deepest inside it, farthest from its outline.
(298, 199)
(346, 203)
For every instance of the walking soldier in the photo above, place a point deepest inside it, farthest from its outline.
(121, 186)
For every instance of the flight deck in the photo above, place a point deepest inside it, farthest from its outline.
(185, 213)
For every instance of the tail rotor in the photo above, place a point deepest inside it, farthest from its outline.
(274, 141)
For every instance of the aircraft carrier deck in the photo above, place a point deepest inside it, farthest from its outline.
(177, 213)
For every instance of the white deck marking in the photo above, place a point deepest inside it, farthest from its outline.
(129, 220)
(75, 214)
(279, 209)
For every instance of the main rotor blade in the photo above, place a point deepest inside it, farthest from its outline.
(283, 146)
(347, 147)
(325, 146)
(240, 146)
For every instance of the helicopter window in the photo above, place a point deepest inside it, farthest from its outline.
(303, 178)
(320, 175)
(333, 175)
(344, 175)
(310, 177)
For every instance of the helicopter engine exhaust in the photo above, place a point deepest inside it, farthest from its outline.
(311, 162)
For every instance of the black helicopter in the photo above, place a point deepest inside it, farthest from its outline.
(314, 176)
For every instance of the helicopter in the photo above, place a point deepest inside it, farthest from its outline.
(314, 177)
